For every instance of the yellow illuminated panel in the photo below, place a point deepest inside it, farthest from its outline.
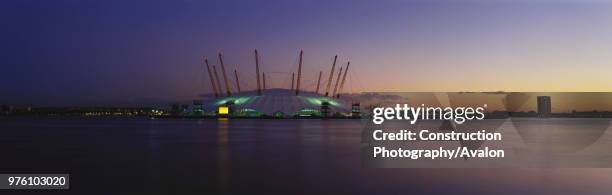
(223, 110)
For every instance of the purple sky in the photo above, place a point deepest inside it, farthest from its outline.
(83, 52)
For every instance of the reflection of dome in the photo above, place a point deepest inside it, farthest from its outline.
(279, 101)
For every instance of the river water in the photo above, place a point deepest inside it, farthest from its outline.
(186, 156)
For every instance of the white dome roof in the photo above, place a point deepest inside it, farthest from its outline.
(279, 100)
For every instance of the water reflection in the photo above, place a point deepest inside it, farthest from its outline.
(223, 158)
(169, 156)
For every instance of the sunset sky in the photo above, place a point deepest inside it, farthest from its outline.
(66, 52)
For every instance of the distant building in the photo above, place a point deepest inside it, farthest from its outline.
(8, 110)
(356, 110)
(5, 110)
(198, 109)
(544, 106)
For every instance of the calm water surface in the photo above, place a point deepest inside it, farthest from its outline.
(159, 156)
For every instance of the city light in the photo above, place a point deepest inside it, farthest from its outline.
(223, 110)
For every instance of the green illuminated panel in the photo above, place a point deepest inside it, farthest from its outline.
(319, 100)
(237, 100)
(308, 112)
(248, 112)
